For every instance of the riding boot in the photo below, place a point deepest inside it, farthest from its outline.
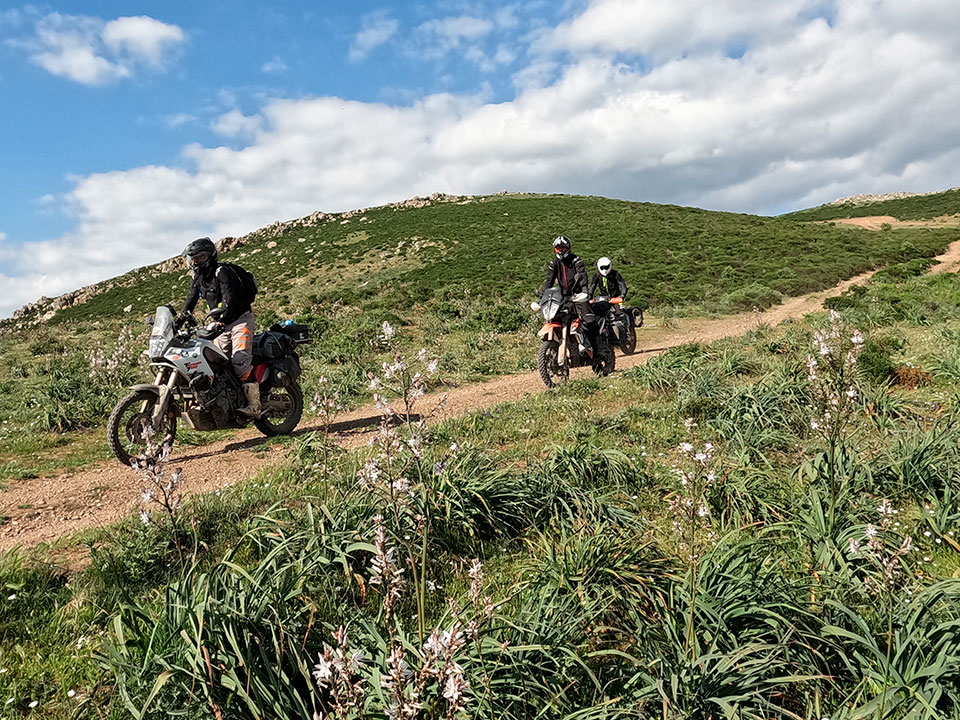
(252, 409)
(583, 340)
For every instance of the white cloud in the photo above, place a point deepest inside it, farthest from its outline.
(378, 28)
(275, 65)
(664, 30)
(813, 110)
(235, 124)
(440, 36)
(142, 38)
(178, 119)
(90, 51)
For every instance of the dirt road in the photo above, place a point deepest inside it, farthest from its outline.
(42, 510)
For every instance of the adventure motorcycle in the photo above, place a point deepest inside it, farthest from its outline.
(195, 380)
(560, 349)
(622, 322)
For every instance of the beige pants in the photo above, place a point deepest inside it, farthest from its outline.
(237, 342)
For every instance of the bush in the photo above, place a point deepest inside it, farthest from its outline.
(876, 359)
(755, 295)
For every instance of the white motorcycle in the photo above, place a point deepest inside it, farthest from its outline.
(195, 381)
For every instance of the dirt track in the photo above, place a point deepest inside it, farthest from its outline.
(42, 510)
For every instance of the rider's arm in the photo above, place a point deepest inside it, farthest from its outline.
(191, 302)
(580, 275)
(622, 285)
(551, 275)
(229, 294)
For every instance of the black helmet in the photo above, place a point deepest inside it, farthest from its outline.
(202, 255)
(561, 246)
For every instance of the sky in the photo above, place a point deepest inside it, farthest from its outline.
(129, 128)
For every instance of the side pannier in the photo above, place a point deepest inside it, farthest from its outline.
(272, 345)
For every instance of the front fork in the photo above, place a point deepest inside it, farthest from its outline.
(562, 354)
(165, 388)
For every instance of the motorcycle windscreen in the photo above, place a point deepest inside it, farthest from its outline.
(162, 332)
(550, 303)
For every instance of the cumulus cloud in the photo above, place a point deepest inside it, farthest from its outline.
(235, 124)
(378, 28)
(90, 51)
(812, 109)
(663, 31)
(142, 38)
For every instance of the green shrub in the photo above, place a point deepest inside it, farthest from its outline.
(876, 359)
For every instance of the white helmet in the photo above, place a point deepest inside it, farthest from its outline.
(603, 265)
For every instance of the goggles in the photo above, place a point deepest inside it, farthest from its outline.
(199, 259)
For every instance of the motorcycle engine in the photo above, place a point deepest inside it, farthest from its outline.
(220, 398)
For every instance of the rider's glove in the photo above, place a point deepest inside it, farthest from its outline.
(183, 318)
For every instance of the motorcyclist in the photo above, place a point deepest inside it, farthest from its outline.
(570, 275)
(221, 286)
(609, 281)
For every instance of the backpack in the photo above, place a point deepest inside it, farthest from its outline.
(248, 283)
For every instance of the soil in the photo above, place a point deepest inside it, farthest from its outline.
(44, 510)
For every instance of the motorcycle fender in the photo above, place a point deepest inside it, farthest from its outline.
(549, 331)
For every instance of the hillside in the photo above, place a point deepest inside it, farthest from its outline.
(911, 207)
(455, 273)
(394, 257)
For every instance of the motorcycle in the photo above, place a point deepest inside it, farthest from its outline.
(560, 351)
(195, 381)
(622, 322)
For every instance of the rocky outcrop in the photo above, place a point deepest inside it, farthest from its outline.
(870, 199)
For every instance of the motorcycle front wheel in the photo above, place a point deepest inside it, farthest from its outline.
(128, 426)
(282, 410)
(550, 372)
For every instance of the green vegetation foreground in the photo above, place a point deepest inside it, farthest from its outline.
(763, 527)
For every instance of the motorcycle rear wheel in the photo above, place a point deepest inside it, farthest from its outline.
(125, 428)
(551, 373)
(282, 410)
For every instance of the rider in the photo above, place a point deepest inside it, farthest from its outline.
(610, 282)
(221, 286)
(569, 273)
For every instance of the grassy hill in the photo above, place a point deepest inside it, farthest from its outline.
(456, 274)
(497, 247)
(919, 207)
(575, 556)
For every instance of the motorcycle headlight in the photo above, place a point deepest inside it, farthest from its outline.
(157, 346)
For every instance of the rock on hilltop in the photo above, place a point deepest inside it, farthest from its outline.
(870, 199)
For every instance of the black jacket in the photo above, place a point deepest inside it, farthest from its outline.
(221, 287)
(569, 274)
(613, 285)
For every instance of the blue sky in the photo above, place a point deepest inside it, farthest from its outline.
(129, 128)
